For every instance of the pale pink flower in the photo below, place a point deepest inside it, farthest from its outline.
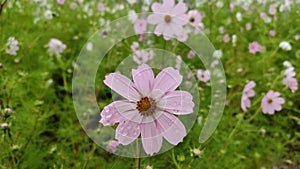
(203, 75)
(272, 10)
(169, 18)
(140, 26)
(255, 47)
(248, 26)
(3, 125)
(148, 167)
(61, 2)
(247, 93)
(195, 17)
(297, 37)
(149, 109)
(226, 38)
(142, 56)
(292, 83)
(272, 32)
(134, 46)
(191, 54)
(271, 102)
(56, 47)
(112, 146)
(100, 7)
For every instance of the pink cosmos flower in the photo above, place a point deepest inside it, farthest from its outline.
(247, 93)
(292, 83)
(255, 47)
(272, 32)
(100, 7)
(297, 37)
(203, 75)
(191, 54)
(112, 146)
(272, 10)
(56, 47)
(149, 109)
(169, 18)
(61, 2)
(140, 26)
(271, 102)
(226, 38)
(195, 17)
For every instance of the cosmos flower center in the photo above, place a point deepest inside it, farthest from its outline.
(146, 106)
(192, 19)
(168, 18)
(270, 101)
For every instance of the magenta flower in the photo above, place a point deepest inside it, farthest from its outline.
(195, 17)
(271, 102)
(255, 47)
(140, 26)
(169, 18)
(149, 109)
(203, 75)
(247, 93)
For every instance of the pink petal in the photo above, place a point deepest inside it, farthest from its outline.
(167, 5)
(179, 9)
(143, 79)
(156, 7)
(160, 28)
(171, 128)
(110, 114)
(122, 85)
(127, 132)
(180, 20)
(167, 80)
(151, 139)
(177, 102)
(155, 18)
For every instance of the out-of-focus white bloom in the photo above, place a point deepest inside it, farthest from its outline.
(132, 16)
(234, 37)
(196, 152)
(221, 30)
(248, 26)
(48, 14)
(73, 5)
(89, 46)
(219, 4)
(56, 47)
(218, 53)
(142, 56)
(12, 46)
(3, 125)
(148, 167)
(287, 64)
(8, 110)
(285, 45)
(239, 16)
(178, 62)
(131, 2)
(286, 6)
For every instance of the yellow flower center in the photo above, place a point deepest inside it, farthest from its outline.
(146, 106)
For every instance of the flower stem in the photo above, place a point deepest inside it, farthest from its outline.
(138, 159)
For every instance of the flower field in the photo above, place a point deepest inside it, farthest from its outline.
(150, 84)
